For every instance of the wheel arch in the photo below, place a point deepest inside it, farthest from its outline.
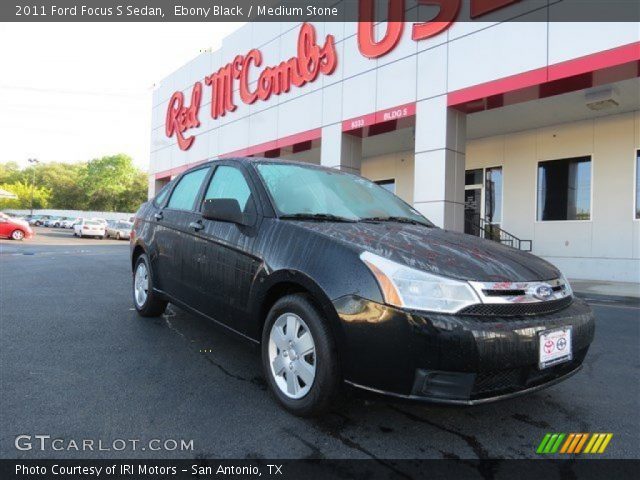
(135, 253)
(286, 282)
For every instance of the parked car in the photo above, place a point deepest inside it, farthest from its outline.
(120, 230)
(69, 222)
(14, 228)
(52, 221)
(88, 228)
(38, 220)
(102, 221)
(341, 281)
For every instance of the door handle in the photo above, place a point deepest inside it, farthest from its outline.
(197, 226)
(158, 216)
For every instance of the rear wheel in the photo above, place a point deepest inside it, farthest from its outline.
(146, 301)
(299, 356)
(17, 234)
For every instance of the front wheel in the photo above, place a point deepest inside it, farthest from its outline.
(17, 235)
(299, 356)
(146, 301)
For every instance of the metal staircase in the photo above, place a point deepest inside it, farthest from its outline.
(484, 229)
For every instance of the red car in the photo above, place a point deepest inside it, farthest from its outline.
(14, 229)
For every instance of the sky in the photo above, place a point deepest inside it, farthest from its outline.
(75, 91)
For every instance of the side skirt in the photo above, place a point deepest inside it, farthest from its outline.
(198, 313)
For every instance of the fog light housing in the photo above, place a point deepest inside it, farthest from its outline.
(445, 385)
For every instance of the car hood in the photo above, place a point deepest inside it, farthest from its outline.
(438, 251)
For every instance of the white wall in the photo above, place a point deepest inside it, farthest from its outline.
(465, 55)
(608, 246)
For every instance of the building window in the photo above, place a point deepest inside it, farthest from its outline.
(473, 177)
(388, 185)
(638, 184)
(493, 195)
(564, 189)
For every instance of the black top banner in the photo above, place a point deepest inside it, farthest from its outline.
(319, 10)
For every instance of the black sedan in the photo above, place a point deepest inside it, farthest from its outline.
(340, 281)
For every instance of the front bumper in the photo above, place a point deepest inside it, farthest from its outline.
(458, 359)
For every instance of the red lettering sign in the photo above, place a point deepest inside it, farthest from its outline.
(180, 118)
(449, 10)
(311, 61)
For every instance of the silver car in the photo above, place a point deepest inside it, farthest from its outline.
(119, 230)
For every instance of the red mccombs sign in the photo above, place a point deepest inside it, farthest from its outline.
(311, 61)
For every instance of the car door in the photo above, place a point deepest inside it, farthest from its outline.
(224, 264)
(174, 237)
(5, 227)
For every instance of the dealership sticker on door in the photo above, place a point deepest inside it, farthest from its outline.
(555, 347)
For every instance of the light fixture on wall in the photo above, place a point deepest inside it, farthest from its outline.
(602, 99)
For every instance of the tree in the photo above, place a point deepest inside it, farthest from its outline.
(10, 172)
(109, 183)
(41, 196)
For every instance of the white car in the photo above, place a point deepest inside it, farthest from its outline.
(89, 228)
(69, 222)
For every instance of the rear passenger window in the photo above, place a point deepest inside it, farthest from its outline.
(228, 182)
(185, 193)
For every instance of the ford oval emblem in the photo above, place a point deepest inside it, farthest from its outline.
(542, 291)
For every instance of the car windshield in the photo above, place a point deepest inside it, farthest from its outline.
(300, 191)
(91, 222)
(125, 225)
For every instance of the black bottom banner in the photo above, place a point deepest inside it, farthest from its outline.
(321, 469)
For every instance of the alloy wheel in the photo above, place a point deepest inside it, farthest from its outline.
(292, 355)
(17, 235)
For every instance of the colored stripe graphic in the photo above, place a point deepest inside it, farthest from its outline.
(605, 443)
(543, 443)
(566, 445)
(573, 443)
(581, 443)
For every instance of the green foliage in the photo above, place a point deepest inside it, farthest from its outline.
(110, 183)
(23, 190)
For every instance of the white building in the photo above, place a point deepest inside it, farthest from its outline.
(530, 126)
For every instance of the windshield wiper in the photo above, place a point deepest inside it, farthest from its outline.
(396, 219)
(323, 217)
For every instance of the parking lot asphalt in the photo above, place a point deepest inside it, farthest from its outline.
(78, 363)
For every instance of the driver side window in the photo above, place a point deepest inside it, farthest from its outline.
(229, 182)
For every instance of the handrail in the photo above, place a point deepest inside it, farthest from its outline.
(490, 231)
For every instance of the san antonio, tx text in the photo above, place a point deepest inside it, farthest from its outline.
(143, 469)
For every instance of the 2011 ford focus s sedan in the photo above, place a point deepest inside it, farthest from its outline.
(340, 281)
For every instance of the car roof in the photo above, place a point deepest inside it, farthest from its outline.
(254, 160)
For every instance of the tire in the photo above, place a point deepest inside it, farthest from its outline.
(118, 236)
(151, 305)
(79, 234)
(308, 400)
(17, 235)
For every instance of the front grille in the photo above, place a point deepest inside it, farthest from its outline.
(498, 382)
(516, 292)
(516, 309)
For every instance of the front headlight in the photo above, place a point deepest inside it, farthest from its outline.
(568, 291)
(406, 287)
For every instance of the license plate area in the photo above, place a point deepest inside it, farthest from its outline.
(554, 347)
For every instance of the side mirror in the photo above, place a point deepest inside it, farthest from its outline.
(223, 210)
